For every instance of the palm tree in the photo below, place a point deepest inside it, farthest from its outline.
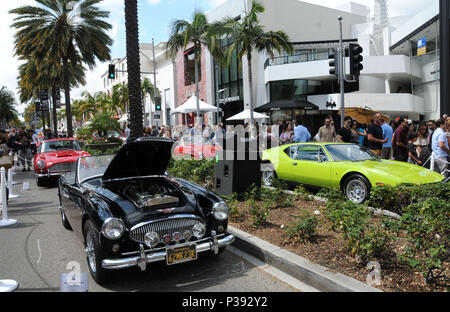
(248, 36)
(147, 87)
(7, 111)
(134, 69)
(35, 75)
(184, 33)
(120, 98)
(70, 33)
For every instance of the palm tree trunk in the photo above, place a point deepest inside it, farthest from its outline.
(134, 71)
(67, 97)
(197, 91)
(55, 120)
(250, 87)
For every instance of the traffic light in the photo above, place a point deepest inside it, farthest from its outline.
(356, 58)
(157, 103)
(112, 71)
(334, 63)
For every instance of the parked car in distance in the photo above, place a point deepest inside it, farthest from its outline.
(350, 167)
(129, 213)
(195, 147)
(55, 157)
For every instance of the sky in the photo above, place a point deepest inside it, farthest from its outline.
(155, 17)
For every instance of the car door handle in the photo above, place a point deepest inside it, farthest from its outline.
(294, 164)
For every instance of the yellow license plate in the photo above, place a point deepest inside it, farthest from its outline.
(181, 254)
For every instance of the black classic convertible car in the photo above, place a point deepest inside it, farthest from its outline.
(128, 212)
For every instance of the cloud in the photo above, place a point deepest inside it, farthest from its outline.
(154, 2)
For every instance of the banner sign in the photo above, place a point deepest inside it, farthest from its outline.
(422, 46)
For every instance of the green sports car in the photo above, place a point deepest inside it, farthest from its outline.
(351, 167)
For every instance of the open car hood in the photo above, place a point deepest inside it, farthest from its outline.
(142, 157)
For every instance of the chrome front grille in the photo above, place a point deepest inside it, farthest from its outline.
(166, 226)
(67, 166)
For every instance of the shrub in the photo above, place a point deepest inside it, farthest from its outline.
(427, 226)
(198, 171)
(332, 194)
(259, 212)
(236, 213)
(304, 229)
(353, 221)
(301, 193)
(395, 198)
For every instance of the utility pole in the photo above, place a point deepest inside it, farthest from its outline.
(341, 70)
(154, 75)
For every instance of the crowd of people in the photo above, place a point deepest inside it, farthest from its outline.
(400, 139)
(22, 144)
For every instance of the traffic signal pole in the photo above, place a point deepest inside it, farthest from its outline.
(341, 70)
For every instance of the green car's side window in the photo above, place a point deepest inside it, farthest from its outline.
(307, 153)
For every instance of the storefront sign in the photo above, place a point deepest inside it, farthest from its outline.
(231, 99)
(422, 46)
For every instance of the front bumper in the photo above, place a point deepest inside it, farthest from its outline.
(147, 256)
(50, 174)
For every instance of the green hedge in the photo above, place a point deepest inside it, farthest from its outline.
(198, 171)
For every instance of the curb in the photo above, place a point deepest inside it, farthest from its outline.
(300, 268)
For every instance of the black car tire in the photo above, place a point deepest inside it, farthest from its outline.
(94, 254)
(64, 221)
(357, 188)
(40, 182)
(268, 174)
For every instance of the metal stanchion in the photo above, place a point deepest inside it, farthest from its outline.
(10, 184)
(5, 221)
(8, 285)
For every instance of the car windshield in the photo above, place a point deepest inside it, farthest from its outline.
(350, 152)
(53, 146)
(92, 166)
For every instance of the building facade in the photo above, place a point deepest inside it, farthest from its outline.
(165, 82)
(397, 80)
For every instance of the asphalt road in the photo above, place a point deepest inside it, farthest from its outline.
(36, 251)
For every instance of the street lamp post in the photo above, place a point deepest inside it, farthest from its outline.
(341, 69)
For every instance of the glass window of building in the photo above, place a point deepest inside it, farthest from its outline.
(189, 68)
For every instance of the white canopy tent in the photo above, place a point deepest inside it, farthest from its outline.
(191, 106)
(245, 114)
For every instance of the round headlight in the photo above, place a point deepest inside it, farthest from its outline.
(151, 239)
(41, 164)
(199, 230)
(113, 228)
(220, 211)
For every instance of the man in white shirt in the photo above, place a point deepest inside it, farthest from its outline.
(439, 144)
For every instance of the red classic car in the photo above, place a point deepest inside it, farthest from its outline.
(55, 157)
(195, 147)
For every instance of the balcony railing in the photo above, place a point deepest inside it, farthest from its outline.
(298, 58)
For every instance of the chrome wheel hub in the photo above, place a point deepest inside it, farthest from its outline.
(268, 176)
(90, 253)
(356, 191)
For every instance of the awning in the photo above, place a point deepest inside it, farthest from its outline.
(286, 104)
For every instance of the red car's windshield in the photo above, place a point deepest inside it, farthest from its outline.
(52, 146)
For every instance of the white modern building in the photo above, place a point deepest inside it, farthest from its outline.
(164, 78)
(395, 80)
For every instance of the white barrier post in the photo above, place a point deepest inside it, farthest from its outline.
(8, 285)
(432, 162)
(5, 221)
(11, 176)
(10, 184)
